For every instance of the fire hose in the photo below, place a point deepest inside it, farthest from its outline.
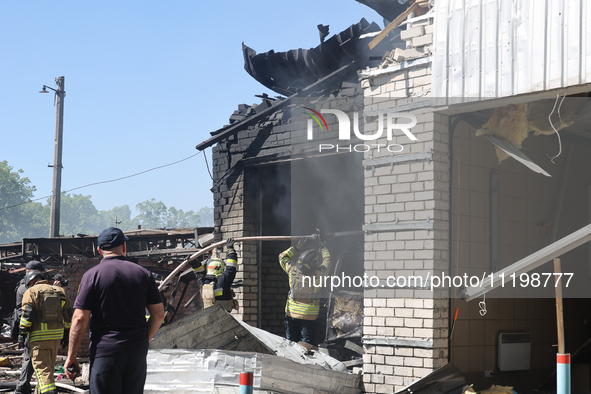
(242, 239)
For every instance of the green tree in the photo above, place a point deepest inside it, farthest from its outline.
(205, 217)
(14, 190)
(152, 214)
(121, 215)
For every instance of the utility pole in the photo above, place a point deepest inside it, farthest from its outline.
(54, 222)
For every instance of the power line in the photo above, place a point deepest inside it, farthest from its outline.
(99, 183)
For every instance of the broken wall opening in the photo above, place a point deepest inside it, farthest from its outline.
(501, 213)
(297, 197)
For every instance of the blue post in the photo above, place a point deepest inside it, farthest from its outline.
(563, 373)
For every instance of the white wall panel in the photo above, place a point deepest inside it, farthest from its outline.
(500, 48)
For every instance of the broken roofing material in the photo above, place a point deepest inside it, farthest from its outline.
(214, 328)
(278, 364)
(288, 72)
(203, 371)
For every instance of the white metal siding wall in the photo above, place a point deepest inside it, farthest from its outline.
(499, 48)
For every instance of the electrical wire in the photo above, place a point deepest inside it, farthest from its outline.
(554, 128)
(100, 183)
(207, 165)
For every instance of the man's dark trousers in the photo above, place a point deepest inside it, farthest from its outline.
(24, 383)
(121, 373)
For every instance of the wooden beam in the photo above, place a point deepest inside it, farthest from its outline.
(394, 24)
(559, 310)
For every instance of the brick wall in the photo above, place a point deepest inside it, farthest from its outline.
(408, 190)
(243, 166)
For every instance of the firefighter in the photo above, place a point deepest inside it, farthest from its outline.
(218, 279)
(303, 300)
(45, 323)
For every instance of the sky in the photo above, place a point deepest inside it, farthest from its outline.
(145, 82)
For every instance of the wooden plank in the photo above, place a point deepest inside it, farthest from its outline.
(394, 24)
(559, 310)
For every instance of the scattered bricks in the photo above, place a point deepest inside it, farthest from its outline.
(421, 41)
(412, 53)
(429, 29)
(398, 55)
(411, 33)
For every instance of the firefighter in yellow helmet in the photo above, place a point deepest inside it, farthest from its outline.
(303, 301)
(216, 284)
(46, 320)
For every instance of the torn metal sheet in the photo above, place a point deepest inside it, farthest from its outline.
(214, 328)
(292, 351)
(288, 72)
(203, 371)
(198, 371)
(445, 380)
(515, 153)
(210, 328)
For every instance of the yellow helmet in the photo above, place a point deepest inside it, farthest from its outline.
(215, 267)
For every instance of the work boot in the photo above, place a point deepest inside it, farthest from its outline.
(23, 390)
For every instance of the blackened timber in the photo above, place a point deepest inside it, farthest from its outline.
(222, 134)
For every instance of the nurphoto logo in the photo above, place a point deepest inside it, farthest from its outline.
(393, 125)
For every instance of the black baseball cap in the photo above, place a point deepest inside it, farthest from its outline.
(35, 265)
(111, 238)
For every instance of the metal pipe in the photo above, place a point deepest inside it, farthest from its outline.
(222, 243)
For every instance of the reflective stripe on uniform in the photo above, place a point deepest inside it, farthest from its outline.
(46, 335)
(43, 388)
(25, 323)
(300, 308)
(218, 292)
(232, 263)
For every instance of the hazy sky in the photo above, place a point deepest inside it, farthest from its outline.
(145, 82)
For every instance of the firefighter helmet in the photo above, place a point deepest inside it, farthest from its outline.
(215, 267)
(32, 275)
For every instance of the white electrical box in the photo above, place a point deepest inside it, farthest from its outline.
(514, 351)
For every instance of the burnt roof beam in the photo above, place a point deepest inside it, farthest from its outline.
(224, 133)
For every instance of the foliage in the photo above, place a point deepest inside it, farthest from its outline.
(78, 215)
(14, 190)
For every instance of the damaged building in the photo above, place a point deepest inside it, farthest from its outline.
(492, 179)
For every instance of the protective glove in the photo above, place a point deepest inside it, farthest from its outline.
(301, 243)
(22, 339)
(321, 239)
(230, 243)
(197, 266)
(65, 340)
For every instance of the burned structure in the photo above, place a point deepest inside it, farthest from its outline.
(435, 206)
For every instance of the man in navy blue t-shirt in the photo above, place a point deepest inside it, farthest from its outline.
(113, 297)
